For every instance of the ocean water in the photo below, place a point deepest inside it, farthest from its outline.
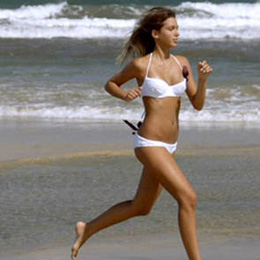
(56, 56)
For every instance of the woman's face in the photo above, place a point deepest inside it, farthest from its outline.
(168, 35)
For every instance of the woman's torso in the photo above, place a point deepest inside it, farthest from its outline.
(162, 100)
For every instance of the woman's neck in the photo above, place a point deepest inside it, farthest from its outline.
(162, 55)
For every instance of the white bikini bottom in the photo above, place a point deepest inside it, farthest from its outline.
(140, 141)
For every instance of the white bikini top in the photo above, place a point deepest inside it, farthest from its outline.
(159, 88)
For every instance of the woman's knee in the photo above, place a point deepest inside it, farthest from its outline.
(144, 211)
(140, 209)
(188, 199)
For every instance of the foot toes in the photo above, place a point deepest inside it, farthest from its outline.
(74, 254)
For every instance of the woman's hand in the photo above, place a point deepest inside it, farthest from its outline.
(133, 94)
(204, 70)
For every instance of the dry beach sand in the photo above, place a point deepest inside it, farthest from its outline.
(53, 174)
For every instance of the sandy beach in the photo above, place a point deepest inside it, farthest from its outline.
(53, 174)
(32, 139)
(149, 248)
(66, 155)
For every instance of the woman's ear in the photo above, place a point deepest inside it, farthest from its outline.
(155, 34)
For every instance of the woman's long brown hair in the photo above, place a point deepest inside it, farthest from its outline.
(141, 41)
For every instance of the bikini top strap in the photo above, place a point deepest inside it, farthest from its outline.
(149, 64)
(177, 61)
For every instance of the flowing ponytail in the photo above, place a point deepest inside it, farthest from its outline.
(141, 41)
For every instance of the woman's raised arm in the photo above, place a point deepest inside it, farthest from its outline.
(197, 92)
(131, 71)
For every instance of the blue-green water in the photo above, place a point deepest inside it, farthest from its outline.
(56, 57)
(18, 3)
(63, 79)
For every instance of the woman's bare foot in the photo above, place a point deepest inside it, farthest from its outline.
(80, 239)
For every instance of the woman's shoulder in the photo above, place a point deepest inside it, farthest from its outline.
(139, 64)
(183, 60)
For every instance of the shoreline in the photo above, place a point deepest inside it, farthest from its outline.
(122, 153)
(28, 141)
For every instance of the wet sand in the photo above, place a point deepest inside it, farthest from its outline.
(45, 139)
(21, 139)
(46, 167)
(156, 247)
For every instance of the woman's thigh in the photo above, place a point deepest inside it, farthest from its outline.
(162, 165)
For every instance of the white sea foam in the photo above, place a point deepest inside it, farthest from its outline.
(84, 112)
(236, 103)
(197, 21)
(208, 114)
(227, 104)
(210, 20)
(32, 12)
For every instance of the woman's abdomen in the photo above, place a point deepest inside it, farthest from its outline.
(161, 129)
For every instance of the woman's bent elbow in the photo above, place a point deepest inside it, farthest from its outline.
(109, 88)
(106, 87)
(198, 106)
